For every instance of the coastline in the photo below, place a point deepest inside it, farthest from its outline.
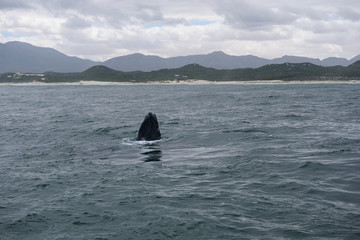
(185, 82)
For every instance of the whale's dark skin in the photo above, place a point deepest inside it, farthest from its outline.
(149, 129)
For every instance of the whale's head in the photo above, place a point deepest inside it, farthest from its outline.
(149, 129)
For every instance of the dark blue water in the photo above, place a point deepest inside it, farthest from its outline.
(235, 162)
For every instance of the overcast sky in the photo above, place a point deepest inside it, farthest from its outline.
(101, 29)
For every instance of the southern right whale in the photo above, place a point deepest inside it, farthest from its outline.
(149, 129)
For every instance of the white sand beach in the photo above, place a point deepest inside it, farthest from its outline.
(186, 82)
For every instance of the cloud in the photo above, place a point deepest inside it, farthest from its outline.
(100, 29)
(13, 4)
(253, 14)
(76, 22)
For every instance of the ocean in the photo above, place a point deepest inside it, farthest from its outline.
(236, 161)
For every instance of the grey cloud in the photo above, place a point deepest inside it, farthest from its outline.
(13, 4)
(139, 14)
(37, 4)
(62, 5)
(253, 14)
(350, 14)
(108, 12)
(325, 10)
(76, 22)
(148, 13)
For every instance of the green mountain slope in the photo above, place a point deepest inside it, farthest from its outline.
(286, 71)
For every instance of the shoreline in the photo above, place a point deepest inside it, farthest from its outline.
(185, 82)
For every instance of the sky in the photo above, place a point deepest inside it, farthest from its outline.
(102, 29)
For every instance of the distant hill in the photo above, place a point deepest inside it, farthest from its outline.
(26, 58)
(217, 60)
(285, 71)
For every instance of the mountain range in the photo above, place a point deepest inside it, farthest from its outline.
(285, 72)
(26, 58)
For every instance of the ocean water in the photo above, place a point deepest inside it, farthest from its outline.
(261, 161)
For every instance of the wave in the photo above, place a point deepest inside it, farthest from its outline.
(131, 142)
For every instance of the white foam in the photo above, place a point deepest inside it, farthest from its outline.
(130, 142)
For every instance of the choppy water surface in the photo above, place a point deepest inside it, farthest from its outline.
(235, 162)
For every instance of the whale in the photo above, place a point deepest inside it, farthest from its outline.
(149, 129)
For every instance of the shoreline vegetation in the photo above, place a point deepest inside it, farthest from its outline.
(195, 74)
